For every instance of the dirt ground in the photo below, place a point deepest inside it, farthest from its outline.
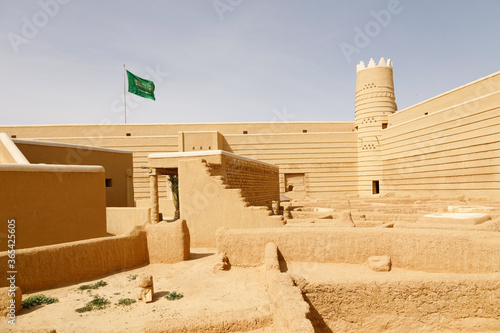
(207, 294)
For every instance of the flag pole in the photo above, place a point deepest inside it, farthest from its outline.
(124, 93)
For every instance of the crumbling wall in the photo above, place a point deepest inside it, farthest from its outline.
(258, 181)
(49, 266)
(168, 242)
(290, 310)
(208, 203)
(412, 304)
(424, 250)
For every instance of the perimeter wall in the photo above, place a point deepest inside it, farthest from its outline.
(323, 153)
(448, 145)
(445, 146)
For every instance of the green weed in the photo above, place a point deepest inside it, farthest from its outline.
(37, 300)
(174, 296)
(126, 301)
(93, 286)
(98, 303)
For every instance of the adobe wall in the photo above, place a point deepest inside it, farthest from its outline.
(290, 311)
(326, 153)
(50, 266)
(422, 250)
(450, 151)
(9, 153)
(117, 165)
(258, 182)
(120, 220)
(409, 304)
(55, 265)
(328, 160)
(443, 146)
(207, 203)
(43, 198)
(463, 94)
(168, 242)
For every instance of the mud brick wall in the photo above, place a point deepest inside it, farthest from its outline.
(259, 182)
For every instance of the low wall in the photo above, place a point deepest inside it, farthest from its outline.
(168, 242)
(54, 265)
(290, 311)
(51, 204)
(50, 266)
(120, 220)
(409, 305)
(424, 250)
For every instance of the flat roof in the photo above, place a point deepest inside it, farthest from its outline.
(69, 145)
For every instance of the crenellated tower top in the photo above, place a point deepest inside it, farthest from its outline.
(382, 63)
(374, 102)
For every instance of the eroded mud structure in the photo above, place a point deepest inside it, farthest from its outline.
(387, 223)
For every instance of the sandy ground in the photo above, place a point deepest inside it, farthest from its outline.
(206, 293)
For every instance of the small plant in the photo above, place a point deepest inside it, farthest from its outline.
(174, 295)
(37, 300)
(93, 286)
(84, 309)
(98, 303)
(132, 277)
(125, 301)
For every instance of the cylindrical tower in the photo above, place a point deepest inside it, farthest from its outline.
(374, 102)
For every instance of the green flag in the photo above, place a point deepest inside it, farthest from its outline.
(140, 87)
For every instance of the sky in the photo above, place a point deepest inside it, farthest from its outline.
(232, 60)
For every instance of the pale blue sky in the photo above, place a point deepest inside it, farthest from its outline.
(231, 60)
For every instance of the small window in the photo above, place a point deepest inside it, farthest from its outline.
(375, 187)
(245, 132)
(109, 182)
(384, 125)
(304, 131)
(13, 136)
(128, 134)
